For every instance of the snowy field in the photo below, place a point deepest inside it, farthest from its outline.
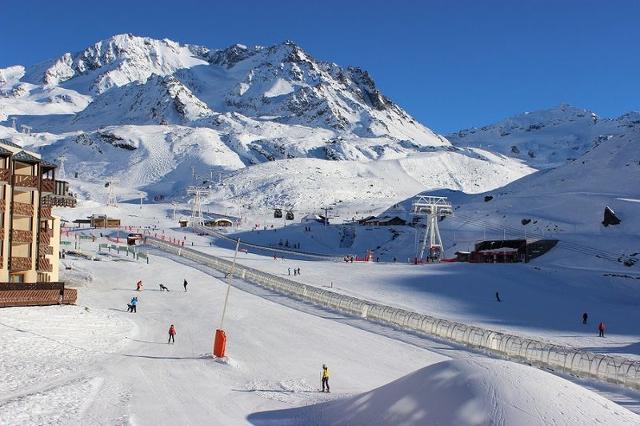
(114, 367)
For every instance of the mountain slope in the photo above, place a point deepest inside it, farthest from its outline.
(158, 116)
(546, 138)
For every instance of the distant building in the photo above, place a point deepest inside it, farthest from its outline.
(102, 221)
(219, 222)
(383, 221)
(509, 251)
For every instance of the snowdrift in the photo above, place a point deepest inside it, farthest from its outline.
(463, 392)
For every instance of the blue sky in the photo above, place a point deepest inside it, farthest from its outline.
(451, 64)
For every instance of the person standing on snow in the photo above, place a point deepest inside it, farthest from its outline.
(601, 328)
(498, 297)
(325, 378)
(172, 334)
(139, 285)
(185, 284)
(134, 305)
(584, 318)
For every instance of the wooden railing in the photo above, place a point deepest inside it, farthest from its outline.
(45, 212)
(3, 205)
(20, 236)
(44, 250)
(44, 265)
(2, 234)
(5, 175)
(20, 264)
(22, 209)
(61, 200)
(45, 236)
(48, 186)
(25, 181)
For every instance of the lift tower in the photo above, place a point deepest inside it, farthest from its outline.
(432, 208)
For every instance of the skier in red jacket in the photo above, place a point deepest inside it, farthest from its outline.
(172, 333)
(601, 328)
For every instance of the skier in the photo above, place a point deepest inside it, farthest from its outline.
(163, 287)
(584, 318)
(325, 378)
(601, 328)
(172, 334)
(133, 305)
(298, 271)
(139, 285)
(498, 297)
(185, 284)
(289, 269)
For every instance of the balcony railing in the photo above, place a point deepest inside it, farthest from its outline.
(45, 236)
(1, 234)
(44, 265)
(61, 200)
(19, 236)
(26, 182)
(48, 186)
(22, 209)
(3, 205)
(44, 250)
(20, 264)
(5, 175)
(45, 212)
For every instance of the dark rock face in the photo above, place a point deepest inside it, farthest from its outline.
(610, 217)
(488, 198)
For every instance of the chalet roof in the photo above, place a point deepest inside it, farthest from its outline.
(47, 165)
(26, 158)
(4, 152)
(8, 142)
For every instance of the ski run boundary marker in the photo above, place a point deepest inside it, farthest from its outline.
(613, 369)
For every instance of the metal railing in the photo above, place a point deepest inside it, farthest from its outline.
(615, 369)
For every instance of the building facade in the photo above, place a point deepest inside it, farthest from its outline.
(30, 233)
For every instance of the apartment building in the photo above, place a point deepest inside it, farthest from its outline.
(30, 233)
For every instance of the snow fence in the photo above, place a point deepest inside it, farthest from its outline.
(613, 369)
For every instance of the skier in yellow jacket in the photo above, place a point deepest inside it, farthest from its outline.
(325, 378)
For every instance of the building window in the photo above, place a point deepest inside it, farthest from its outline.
(16, 278)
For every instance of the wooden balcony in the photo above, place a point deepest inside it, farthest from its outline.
(5, 176)
(45, 212)
(44, 250)
(20, 264)
(45, 236)
(19, 236)
(44, 265)
(48, 186)
(22, 209)
(60, 200)
(25, 182)
(3, 205)
(1, 234)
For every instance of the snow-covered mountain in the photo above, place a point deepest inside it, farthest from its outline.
(565, 203)
(547, 138)
(159, 115)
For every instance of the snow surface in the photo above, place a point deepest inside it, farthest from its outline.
(463, 392)
(275, 348)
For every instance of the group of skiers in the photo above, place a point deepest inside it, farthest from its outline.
(296, 271)
(132, 306)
